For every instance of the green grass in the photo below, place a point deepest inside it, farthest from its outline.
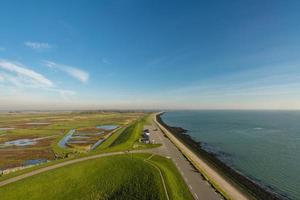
(107, 143)
(127, 138)
(114, 177)
(177, 188)
(149, 119)
(130, 135)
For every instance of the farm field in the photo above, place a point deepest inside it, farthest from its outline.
(113, 177)
(29, 138)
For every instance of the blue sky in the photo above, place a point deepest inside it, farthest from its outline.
(150, 54)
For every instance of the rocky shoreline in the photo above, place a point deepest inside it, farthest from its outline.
(247, 185)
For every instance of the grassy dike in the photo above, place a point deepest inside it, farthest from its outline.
(113, 177)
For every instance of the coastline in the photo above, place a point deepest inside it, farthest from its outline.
(234, 179)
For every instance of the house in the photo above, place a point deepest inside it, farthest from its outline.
(146, 136)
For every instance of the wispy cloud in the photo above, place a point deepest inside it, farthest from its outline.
(37, 45)
(25, 73)
(246, 89)
(76, 73)
(105, 61)
(16, 79)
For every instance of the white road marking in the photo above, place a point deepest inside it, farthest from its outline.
(190, 187)
(196, 196)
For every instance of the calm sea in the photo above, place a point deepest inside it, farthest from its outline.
(263, 145)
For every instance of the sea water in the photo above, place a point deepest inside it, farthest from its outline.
(262, 145)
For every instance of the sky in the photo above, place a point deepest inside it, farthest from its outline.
(149, 54)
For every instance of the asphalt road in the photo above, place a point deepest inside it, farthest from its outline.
(198, 186)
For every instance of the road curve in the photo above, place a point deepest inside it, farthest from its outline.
(200, 164)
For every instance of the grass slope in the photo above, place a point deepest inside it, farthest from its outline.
(177, 188)
(115, 177)
(127, 138)
(107, 143)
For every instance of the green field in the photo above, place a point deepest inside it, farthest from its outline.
(57, 125)
(115, 177)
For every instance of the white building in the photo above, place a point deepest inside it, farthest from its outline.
(146, 136)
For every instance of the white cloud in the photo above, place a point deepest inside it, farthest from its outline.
(37, 45)
(79, 74)
(25, 73)
(17, 80)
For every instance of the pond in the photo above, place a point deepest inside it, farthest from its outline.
(20, 142)
(35, 161)
(80, 137)
(107, 127)
(62, 143)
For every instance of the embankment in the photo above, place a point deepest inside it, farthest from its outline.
(250, 188)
